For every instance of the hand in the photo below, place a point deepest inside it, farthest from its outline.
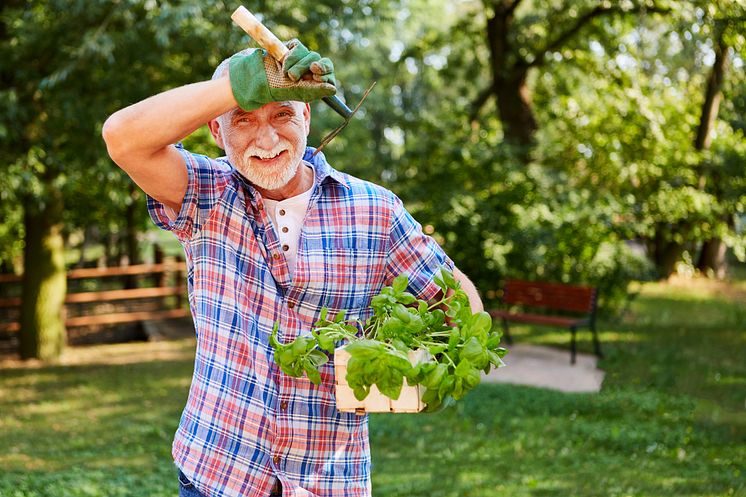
(300, 62)
(257, 79)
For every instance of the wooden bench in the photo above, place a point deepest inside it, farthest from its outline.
(569, 306)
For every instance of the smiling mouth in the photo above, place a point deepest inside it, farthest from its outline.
(268, 157)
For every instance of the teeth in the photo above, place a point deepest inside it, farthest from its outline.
(266, 154)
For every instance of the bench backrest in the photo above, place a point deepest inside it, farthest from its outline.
(555, 296)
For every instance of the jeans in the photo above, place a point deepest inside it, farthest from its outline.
(187, 489)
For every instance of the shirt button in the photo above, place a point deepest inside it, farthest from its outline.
(282, 212)
(276, 256)
(284, 229)
(283, 405)
(291, 305)
(260, 207)
(276, 459)
(285, 248)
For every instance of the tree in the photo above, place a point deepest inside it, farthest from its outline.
(519, 43)
(64, 68)
(727, 18)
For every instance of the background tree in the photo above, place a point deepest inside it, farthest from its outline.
(606, 96)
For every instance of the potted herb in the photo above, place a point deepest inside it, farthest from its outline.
(439, 348)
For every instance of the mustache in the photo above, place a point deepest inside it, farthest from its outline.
(253, 151)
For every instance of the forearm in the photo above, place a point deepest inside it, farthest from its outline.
(471, 291)
(149, 126)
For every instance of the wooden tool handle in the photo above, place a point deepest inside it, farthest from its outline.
(263, 36)
(277, 49)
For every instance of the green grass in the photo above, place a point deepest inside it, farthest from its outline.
(669, 421)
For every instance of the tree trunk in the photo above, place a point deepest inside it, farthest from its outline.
(712, 261)
(42, 334)
(665, 253)
(509, 83)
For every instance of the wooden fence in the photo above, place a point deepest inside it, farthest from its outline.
(164, 299)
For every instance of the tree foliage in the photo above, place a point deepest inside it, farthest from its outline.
(612, 94)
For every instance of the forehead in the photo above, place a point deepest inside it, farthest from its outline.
(268, 108)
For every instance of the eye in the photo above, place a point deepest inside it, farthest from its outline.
(283, 113)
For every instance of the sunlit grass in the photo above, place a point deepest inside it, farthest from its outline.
(669, 421)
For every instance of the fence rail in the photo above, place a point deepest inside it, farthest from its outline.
(160, 273)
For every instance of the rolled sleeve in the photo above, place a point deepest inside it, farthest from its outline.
(414, 253)
(207, 179)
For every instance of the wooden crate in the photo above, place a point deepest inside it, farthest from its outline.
(410, 399)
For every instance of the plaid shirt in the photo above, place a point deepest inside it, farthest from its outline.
(245, 422)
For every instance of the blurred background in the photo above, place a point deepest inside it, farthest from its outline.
(577, 141)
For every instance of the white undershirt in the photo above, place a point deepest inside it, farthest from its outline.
(287, 216)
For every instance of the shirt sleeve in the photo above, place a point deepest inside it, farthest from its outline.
(414, 253)
(207, 180)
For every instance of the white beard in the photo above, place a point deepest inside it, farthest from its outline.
(267, 177)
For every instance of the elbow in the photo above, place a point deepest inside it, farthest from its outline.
(112, 132)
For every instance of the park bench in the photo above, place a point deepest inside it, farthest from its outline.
(549, 304)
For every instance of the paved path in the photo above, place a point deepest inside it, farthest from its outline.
(548, 368)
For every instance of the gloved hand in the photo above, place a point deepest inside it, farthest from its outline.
(257, 79)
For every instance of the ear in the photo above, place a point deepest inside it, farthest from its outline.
(307, 117)
(214, 126)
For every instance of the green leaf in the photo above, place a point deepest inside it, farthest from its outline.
(407, 298)
(400, 283)
(340, 316)
(318, 358)
(361, 392)
(402, 313)
(365, 349)
(390, 383)
(495, 359)
(449, 279)
(481, 322)
(463, 368)
(325, 342)
(458, 389)
(434, 377)
(473, 351)
(422, 307)
(437, 349)
(312, 373)
(446, 386)
(472, 379)
(454, 339)
(430, 397)
(493, 341)
(273, 337)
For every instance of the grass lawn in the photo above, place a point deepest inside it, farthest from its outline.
(670, 419)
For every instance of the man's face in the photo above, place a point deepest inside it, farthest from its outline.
(266, 145)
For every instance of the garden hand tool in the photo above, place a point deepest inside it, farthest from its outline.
(278, 51)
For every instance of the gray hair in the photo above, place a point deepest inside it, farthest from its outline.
(223, 66)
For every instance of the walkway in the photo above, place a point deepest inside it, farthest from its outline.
(550, 368)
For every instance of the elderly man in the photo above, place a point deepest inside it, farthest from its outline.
(270, 234)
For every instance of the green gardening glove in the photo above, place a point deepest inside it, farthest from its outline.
(257, 79)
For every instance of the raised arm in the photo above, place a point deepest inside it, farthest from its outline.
(140, 137)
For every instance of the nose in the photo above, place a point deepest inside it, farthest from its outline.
(266, 136)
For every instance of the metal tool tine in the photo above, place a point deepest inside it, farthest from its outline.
(339, 128)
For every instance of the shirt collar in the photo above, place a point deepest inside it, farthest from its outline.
(322, 169)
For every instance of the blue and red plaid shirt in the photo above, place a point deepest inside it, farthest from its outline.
(245, 422)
